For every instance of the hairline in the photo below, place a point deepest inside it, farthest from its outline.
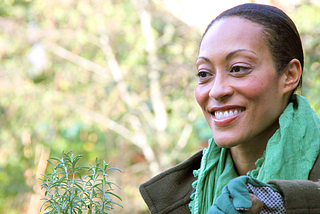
(265, 33)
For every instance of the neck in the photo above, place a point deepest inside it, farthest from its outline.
(245, 158)
(245, 155)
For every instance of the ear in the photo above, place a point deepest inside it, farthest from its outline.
(292, 75)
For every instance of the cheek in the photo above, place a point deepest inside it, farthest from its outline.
(201, 95)
(253, 89)
(263, 96)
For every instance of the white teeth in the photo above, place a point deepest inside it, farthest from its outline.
(225, 114)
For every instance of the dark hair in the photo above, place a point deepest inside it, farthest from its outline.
(281, 34)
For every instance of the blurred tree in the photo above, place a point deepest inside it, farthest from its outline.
(112, 79)
(307, 18)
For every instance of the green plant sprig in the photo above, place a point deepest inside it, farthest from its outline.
(68, 193)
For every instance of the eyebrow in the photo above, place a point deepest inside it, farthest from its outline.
(229, 55)
(205, 59)
(237, 51)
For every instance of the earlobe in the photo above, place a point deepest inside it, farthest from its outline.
(292, 75)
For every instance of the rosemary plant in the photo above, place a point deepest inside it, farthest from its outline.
(69, 193)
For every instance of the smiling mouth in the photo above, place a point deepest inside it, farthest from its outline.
(220, 115)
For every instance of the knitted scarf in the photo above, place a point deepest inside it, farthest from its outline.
(290, 155)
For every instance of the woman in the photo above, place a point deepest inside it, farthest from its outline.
(249, 65)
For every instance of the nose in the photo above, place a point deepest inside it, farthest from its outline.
(221, 88)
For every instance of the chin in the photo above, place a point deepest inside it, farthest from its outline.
(223, 143)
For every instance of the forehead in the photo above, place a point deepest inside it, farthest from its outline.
(232, 33)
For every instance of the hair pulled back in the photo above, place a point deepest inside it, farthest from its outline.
(281, 34)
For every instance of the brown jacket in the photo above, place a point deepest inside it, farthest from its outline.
(169, 192)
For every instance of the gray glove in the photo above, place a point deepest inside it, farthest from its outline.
(273, 202)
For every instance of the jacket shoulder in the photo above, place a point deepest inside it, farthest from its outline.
(169, 192)
(315, 171)
(302, 196)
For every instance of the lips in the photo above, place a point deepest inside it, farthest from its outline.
(227, 113)
(225, 116)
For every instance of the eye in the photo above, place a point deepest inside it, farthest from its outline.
(203, 74)
(239, 69)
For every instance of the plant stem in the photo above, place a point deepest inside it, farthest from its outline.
(103, 183)
(93, 183)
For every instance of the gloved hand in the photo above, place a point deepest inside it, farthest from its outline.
(235, 197)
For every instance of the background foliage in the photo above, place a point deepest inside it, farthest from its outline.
(112, 79)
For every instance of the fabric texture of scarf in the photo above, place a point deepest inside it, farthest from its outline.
(290, 155)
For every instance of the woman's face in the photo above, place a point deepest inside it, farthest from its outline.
(239, 90)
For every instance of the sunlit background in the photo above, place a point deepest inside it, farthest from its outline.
(112, 79)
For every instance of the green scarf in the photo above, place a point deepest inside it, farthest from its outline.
(290, 155)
